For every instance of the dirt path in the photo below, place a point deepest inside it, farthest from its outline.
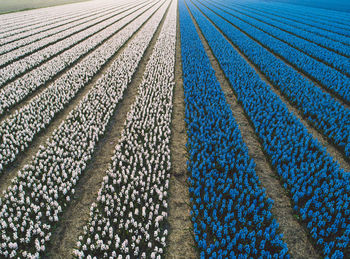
(76, 215)
(25, 157)
(333, 150)
(294, 234)
(181, 242)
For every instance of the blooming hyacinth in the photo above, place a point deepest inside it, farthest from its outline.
(129, 218)
(318, 187)
(55, 29)
(32, 205)
(310, 52)
(325, 113)
(231, 214)
(314, 66)
(75, 47)
(39, 46)
(318, 27)
(15, 26)
(324, 38)
(19, 130)
(81, 42)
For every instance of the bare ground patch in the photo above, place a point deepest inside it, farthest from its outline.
(181, 242)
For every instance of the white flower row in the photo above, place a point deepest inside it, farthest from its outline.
(129, 219)
(23, 24)
(12, 25)
(50, 25)
(40, 54)
(58, 26)
(17, 90)
(87, 38)
(19, 130)
(32, 205)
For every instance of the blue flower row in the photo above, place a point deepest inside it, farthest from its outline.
(318, 187)
(276, 38)
(230, 212)
(296, 28)
(339, 32)
(328, 116)
(330, 78)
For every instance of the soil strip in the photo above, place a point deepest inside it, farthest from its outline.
(181, 242)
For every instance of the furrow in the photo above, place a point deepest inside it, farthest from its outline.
(181, 241)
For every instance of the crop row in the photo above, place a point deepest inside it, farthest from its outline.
(230, 212)
(276, 38)
(49, 26)
(60, 40)
(32, 205)
(8, 44)
(11, 34)
(20, 129)
(36, 58)
(312, 23)
(318, 187)
(24, 25)
(330, 78)
(19, 89)
(129, 218)
(326, 114)
(299, 24)
(293, 28)
(338, 19)
(333, 16)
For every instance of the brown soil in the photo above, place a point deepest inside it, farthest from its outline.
(25, 157)
(181, 242)
(76, 215)
(294, 234)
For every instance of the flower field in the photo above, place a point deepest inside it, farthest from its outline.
(92, 96)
